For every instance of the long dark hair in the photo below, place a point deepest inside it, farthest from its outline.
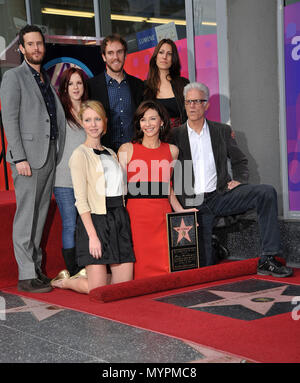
(139, 114)
(64, 94)
(153, 79)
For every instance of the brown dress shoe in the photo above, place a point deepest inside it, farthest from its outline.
(34, 286)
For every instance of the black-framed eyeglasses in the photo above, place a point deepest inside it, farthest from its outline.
(197, 102)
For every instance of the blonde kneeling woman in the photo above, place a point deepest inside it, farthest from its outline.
(103, 235)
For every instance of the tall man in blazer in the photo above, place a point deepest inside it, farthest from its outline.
(119, 92)
(34, 123)
(202, 180)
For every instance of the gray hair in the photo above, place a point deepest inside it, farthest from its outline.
(196, 85)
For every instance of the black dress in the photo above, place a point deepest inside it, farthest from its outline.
(175, 105)
(172, 108)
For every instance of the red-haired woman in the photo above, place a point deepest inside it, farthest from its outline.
(164, 83)
(72, 92)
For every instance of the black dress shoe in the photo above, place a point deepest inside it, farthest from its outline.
(34, 286)
(43, 277)
(220, 251)
(273, 267)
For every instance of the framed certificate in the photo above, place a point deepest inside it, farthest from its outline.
(183, 241)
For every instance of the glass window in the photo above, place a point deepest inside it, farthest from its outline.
(131, 18)
(205, 17)
(67, 17)
(288, 2)
(12, 19)
(206, 52)
(143, 24)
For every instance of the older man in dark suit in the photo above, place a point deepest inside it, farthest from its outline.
(119, 92)
(202, 180)
(34, 123)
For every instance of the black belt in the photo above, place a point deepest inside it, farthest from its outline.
(198, 199)
(209, 194)
(112, 202)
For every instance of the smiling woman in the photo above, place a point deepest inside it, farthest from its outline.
(148, 162)
(94, 123)
(103, 235)
(150, 124)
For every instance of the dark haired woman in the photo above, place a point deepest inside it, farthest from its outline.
(72, 92)
(164, 83)
(148, 161)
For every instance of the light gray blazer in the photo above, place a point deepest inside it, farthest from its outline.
(26, 120)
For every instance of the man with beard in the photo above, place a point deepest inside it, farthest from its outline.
(34, 123)
(119, 92)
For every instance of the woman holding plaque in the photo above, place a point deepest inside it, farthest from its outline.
(164, 83)
(148, 161)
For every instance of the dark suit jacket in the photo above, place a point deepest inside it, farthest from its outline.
(98, 91)
(224, 146)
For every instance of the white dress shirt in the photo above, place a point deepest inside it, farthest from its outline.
(203, 160)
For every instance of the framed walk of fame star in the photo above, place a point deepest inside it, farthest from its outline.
(183, 241)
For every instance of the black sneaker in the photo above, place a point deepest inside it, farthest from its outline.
(272, 267)
(34, 286)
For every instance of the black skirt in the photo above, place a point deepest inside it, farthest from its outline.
(113, 230)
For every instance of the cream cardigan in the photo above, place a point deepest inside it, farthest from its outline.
(88, 180)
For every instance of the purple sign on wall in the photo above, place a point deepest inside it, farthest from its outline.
(292, 78)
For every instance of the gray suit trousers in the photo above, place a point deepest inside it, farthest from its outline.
(33, 196)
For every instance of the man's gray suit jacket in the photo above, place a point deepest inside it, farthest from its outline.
(26, 120)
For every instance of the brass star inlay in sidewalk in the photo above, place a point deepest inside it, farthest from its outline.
(258, 301)
(38, 309)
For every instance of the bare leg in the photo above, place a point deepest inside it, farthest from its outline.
(79, 284)
(122, 272)
(96, 276)
(108, 281)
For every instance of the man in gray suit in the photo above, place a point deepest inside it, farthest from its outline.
(34, 124)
